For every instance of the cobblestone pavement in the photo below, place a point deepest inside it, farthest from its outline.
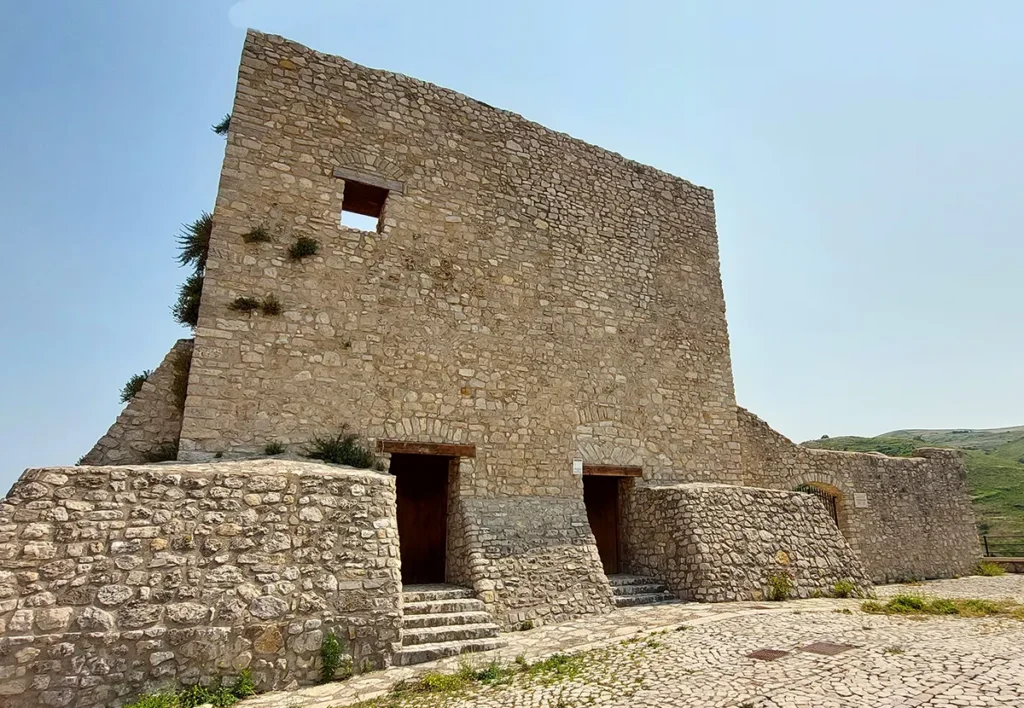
(641, 657)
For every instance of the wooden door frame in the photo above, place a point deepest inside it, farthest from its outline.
(621, 472)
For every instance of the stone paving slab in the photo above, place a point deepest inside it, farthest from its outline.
(895, 661)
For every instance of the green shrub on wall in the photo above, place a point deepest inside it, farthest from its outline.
(134, 385)
(342, 449)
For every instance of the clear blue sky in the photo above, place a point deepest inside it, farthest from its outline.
(866, 161)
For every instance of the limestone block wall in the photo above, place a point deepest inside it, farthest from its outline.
(532, 558)
(905, 517)
(717, 543)
(150, 423)
(528, 293)
(121, 580)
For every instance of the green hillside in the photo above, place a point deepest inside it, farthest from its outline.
(995, 467)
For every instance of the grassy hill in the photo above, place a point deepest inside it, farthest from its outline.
(994, 459)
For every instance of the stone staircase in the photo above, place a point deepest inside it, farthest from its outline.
(633, 590)
(441, 621)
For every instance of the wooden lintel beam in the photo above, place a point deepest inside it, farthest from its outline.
(392, 185)
(403, 447)
(613, 470)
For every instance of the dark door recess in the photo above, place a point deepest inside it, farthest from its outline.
(422, 488)
(601, 497)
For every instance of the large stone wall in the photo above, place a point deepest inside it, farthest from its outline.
(118, 580)
(534, 295)
(148, 428)
(716, 543)
(531, 558)
(905, 517)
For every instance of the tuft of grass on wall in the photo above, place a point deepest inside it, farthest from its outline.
(257, 234)
(303, 248)
(132, 387)
(194, 242)
(244, 304)
(271, 306)
(224, 126)
(273, 448)
(186, 309)
(342, 449)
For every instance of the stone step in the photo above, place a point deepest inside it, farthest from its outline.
(648, 589)
(425, 593)
(649, 599)
(431, 652)
(445, 619)
(619, 580)
(435, 607)
(455, 633)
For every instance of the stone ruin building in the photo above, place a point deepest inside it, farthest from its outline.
(531, 334)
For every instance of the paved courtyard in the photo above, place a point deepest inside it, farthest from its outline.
(691, 654)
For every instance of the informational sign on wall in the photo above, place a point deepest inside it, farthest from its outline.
(577, 467)
(860, 500)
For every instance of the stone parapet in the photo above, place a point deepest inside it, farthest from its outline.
(121, 580)
(718, 543)
(906, 517)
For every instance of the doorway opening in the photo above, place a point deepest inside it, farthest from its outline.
(421, 484)
(601, 497)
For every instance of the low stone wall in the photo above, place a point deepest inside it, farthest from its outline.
(718, 543)
(532, 558)
(1010, 565)
(149, 426)
(121, 580)
(907, 518)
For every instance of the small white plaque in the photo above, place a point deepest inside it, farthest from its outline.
(860, 500)
(577, 467)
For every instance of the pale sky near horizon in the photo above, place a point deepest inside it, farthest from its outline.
(866, 161)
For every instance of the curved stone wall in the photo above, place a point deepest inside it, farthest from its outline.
(718, 543)
(120, 580)
(906, 517)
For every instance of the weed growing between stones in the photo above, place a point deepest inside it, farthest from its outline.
(780, 586)
(215, 694)
(244, 304)
(271, 306)
(257, 234)
(132, 387)
(893, 650)
(844, 588)
(989, 569)
(224, 126)
(273, 448)
(970, 607)
(303, 247)
(342, 449)
(333, 658)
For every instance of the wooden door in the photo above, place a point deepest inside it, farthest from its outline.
(601, 497)
(422, 488)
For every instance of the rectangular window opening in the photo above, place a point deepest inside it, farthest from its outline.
(363, 206)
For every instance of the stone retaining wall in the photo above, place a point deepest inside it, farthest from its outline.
(533, 558)
(148, 428)
(718, 543)
(119, 580)
(907, 518)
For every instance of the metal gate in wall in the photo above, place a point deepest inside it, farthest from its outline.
(829, 500)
